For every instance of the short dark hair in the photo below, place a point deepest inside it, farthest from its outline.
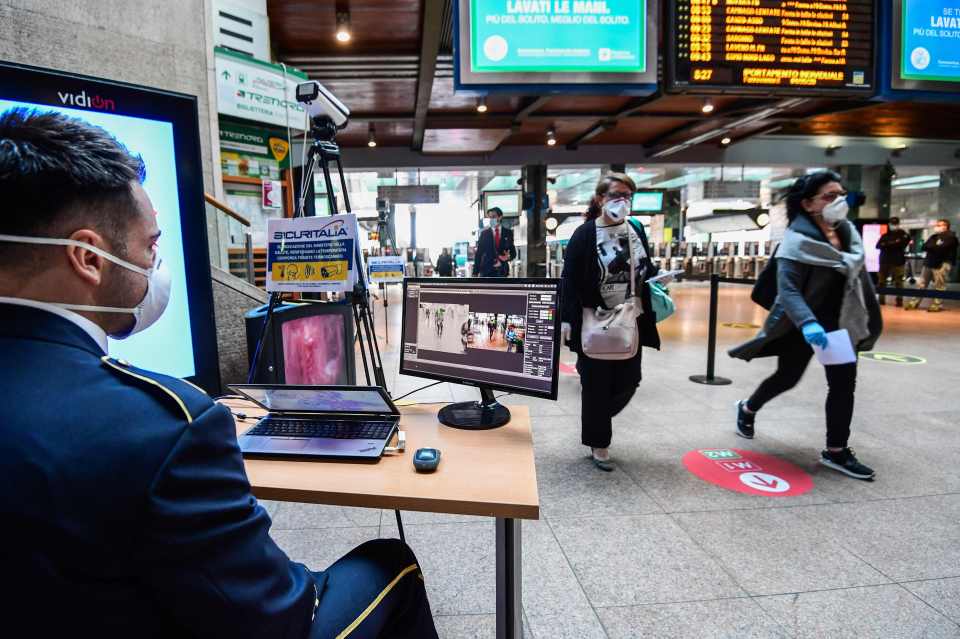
(496, 210)
(805, 188)
(944, 221)
(894, 220)
(57, 170)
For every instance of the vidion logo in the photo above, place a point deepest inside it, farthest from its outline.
(89, 102)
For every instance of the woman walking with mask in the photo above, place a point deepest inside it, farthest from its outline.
(596, 274)
(822, 286)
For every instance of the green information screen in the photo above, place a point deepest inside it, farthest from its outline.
(558, 36)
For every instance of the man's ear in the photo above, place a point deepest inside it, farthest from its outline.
(85, 263)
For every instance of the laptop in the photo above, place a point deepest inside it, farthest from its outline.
(348, 422)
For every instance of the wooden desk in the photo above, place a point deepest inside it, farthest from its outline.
(489, 473)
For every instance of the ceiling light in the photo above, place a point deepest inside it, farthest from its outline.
(725, 141)
(707, 106)
(551, 223)
(898, 150)
(832, 149)
(763, 219)
(551, 137)
(482, 104)
(372, 136)
(343, 27)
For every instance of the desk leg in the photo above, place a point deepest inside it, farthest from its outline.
(509, 624)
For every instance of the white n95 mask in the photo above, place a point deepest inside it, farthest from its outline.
(837, 210)
(616, 209)
(154, 301)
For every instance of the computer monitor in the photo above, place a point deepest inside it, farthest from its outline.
(496, 334)
(307, 343)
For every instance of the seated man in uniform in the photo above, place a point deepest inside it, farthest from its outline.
(126, 510)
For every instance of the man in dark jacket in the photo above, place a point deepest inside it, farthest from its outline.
(445, 264)
(126, 510)
(893, 246)
(941, 250)
(495, 248)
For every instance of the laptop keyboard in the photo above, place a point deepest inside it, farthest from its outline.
(273, 427)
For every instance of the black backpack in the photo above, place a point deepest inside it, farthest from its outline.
(765, 290)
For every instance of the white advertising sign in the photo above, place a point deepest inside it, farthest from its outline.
(312, 254)
(254, 90)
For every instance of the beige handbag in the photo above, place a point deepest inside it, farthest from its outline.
(613, 334)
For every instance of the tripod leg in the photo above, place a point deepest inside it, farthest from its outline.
(363, 353)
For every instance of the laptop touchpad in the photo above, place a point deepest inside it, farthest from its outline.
(287, 443)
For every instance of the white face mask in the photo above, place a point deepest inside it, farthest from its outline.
(493, 222)
(837, 210)
(616, 210)
(154, 301)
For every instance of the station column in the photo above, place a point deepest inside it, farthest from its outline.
(535, 188)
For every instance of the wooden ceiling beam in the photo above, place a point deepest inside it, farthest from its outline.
(610, 122)
(429, 50)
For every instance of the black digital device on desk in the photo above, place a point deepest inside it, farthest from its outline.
(492, 333)
(352, 422)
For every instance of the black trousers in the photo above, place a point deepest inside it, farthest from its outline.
(375, 590)
(841, 382)
(607, 386)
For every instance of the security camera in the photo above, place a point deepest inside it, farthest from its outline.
(320, 103)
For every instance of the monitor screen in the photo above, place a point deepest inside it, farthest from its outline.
(871, 235)
(647, 201)
(774, 45)
(541, 42)
(313, 350)
(162, 128)
(504, 334)
(926, 36)
(338, 400)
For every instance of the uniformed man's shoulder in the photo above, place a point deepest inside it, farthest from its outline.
(180, 397)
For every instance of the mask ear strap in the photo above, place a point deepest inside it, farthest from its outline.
(58, 241)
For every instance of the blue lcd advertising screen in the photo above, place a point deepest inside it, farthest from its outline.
(504, 42)
(647, 201)
(929, 39)
(162, 129)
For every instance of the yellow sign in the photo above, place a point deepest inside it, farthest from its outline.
(279, 148)
(310, 271)
(739, 325)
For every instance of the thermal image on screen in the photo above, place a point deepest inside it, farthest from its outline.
(167, 346)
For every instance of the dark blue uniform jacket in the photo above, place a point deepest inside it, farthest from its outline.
(125, 510)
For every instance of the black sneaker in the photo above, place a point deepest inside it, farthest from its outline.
(846, 462)
(744, 421)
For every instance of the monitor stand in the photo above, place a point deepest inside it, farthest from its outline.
(482, 415)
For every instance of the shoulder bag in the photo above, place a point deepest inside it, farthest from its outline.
(612, 333)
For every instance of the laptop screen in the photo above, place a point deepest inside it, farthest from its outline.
(360, 400)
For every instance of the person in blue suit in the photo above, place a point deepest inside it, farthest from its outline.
(125, 507)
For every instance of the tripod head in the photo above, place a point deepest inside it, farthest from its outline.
(323, 129)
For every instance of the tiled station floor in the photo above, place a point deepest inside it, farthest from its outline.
(650, 550)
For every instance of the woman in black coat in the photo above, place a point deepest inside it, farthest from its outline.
(822, 286)
(596, 275)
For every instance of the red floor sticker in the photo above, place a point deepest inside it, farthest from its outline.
(568, 369)
(748, 472)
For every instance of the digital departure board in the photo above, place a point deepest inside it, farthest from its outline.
(773, 46)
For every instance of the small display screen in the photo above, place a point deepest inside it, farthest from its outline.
(780, 45)
(647, 201)
(294, 400)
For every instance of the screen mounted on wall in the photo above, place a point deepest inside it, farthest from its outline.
(556, 42)
(772, 46)
(926, 51)
(162, 128)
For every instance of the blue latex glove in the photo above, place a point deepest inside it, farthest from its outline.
(814, 334)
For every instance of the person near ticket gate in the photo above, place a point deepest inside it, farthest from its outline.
(445, 265)
(495, 248)
(941, 250)
(126, 510)
(893, 259)
(822, 286)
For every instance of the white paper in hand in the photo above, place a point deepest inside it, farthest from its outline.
(839, 349)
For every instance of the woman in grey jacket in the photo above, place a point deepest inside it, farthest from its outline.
(822, 286)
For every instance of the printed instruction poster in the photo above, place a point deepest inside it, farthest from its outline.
(386, 268)
(312, 254)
